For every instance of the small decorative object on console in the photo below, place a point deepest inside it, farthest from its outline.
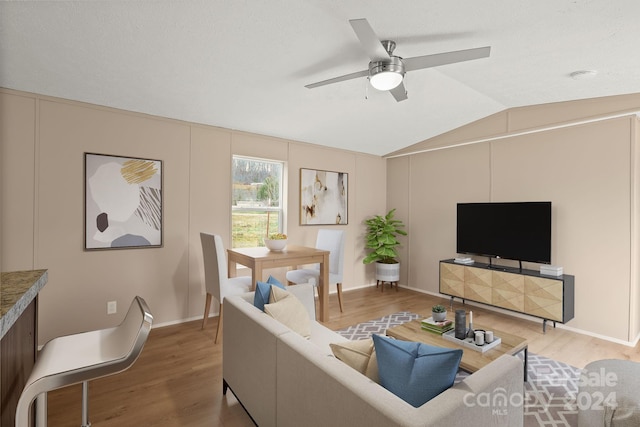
(551, 270)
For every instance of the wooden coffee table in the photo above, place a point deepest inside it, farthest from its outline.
(471, 360)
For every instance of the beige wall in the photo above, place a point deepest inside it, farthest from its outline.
(17, 118)
(588, 171)
(398, 172)
(43, 141)
(634, 296)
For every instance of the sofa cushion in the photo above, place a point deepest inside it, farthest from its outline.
(322, 337)
(360, 355)
(263, 292)
(414, 371)
(288, 310)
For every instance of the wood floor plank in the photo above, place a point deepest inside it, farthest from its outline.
(177, 381)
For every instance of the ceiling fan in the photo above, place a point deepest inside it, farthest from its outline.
(386, 71)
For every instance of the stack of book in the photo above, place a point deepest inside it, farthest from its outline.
(551, 270)
(463, 260)
(430, 325)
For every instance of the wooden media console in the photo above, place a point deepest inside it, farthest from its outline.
(520, 290)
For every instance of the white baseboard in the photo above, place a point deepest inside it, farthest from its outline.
(179, 321)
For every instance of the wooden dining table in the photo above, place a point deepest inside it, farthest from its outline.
(261, 258)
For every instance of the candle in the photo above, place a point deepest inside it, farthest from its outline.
(470, 316)
(488, 336)
(479, 338)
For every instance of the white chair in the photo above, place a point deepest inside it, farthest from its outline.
(78, 358)
(328, 240)
(216, 276)
(612, 389)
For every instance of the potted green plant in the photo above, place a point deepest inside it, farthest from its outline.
(439, 313)
(382, 232)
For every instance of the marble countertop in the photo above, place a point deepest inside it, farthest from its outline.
(17, 290)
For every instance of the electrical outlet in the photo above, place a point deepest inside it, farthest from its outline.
(112, 307)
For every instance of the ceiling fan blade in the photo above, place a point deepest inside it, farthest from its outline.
(427, 61)
(339, 79)
(399, 92)
(369, 40)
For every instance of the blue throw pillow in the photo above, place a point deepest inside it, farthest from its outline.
(261, 296)
(273, 281)
(263, 290)
(413, 371)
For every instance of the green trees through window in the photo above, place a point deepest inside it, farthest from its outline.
(256, 208)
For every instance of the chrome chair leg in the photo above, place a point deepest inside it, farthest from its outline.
(85, 404)
(41, 410)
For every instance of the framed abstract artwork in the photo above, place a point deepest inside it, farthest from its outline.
(323, 197)
(122, 202)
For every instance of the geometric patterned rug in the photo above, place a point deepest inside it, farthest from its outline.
(364, 330)
(550, 392)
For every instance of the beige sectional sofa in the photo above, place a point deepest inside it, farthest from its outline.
(283, 379)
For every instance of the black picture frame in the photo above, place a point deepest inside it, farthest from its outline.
(123, 202)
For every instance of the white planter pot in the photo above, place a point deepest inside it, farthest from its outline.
(387, 272)
(439, 317)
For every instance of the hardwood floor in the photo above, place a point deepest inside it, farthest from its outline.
(177, 381)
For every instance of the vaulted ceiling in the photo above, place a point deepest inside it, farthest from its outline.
(243, 64)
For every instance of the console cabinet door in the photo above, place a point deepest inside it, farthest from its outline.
(452, 279)
(507, 290)
(543, 297)
(477, 284)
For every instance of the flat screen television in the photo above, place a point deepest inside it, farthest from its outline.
(513, 230)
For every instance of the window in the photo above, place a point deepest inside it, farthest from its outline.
(257, 206)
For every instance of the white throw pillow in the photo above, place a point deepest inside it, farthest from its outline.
(288, 310)
(360, 355)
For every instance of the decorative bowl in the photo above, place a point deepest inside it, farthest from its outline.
(275, 245)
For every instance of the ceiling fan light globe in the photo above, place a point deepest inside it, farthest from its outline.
(385, 80)
(386, 75)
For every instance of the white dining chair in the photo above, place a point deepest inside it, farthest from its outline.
(328, 240)
(216, 276)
